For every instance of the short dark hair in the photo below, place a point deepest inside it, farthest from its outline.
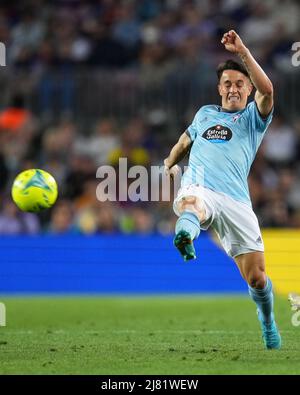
(231, 65)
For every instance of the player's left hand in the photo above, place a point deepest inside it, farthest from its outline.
(233, 42)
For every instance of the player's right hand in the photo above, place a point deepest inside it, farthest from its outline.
(173, 171)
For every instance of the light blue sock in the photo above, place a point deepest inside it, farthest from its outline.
(264, 300)
(189, 222)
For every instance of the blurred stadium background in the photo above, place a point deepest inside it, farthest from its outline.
(87, 82)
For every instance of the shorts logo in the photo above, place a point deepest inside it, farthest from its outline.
(217, 134)
(259, 240)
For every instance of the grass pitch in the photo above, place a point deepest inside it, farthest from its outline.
(145, 335)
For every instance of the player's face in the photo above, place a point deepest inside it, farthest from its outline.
(234, 88)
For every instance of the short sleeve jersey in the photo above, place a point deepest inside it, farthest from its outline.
(224, 147)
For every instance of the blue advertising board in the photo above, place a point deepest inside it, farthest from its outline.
(113, 264)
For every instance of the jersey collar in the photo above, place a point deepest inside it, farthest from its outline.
(221, 109)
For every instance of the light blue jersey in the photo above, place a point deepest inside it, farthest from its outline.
(224, 147)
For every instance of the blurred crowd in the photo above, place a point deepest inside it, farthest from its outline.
(87, 82)
(42, 34)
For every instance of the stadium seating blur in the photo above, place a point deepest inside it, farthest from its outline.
(87, 82)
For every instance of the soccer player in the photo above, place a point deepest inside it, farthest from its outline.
(223, 141)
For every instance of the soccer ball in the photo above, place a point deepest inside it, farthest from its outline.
(34, 190)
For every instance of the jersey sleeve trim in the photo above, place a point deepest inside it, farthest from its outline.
(264, 119)
(188, 133)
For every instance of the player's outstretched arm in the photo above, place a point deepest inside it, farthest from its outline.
(178, 152)
(264, 88)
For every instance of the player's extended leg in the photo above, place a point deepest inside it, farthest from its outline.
(252, 268)
(187, 228)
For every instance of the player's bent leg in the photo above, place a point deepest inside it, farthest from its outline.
(252, 268)
(188, 226)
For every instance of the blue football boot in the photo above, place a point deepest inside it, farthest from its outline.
(270, 334)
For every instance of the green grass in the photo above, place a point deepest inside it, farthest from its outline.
(146, 335)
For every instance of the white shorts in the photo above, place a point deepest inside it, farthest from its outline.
(234, 222)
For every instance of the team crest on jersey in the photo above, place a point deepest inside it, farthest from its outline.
(236, 117)
(217, 134)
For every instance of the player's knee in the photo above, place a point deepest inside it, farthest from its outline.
(252, 268)
(188, 204)
(257, 279)
(189, 200)
(191, 203)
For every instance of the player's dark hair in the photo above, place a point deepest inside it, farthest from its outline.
(231, 65)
